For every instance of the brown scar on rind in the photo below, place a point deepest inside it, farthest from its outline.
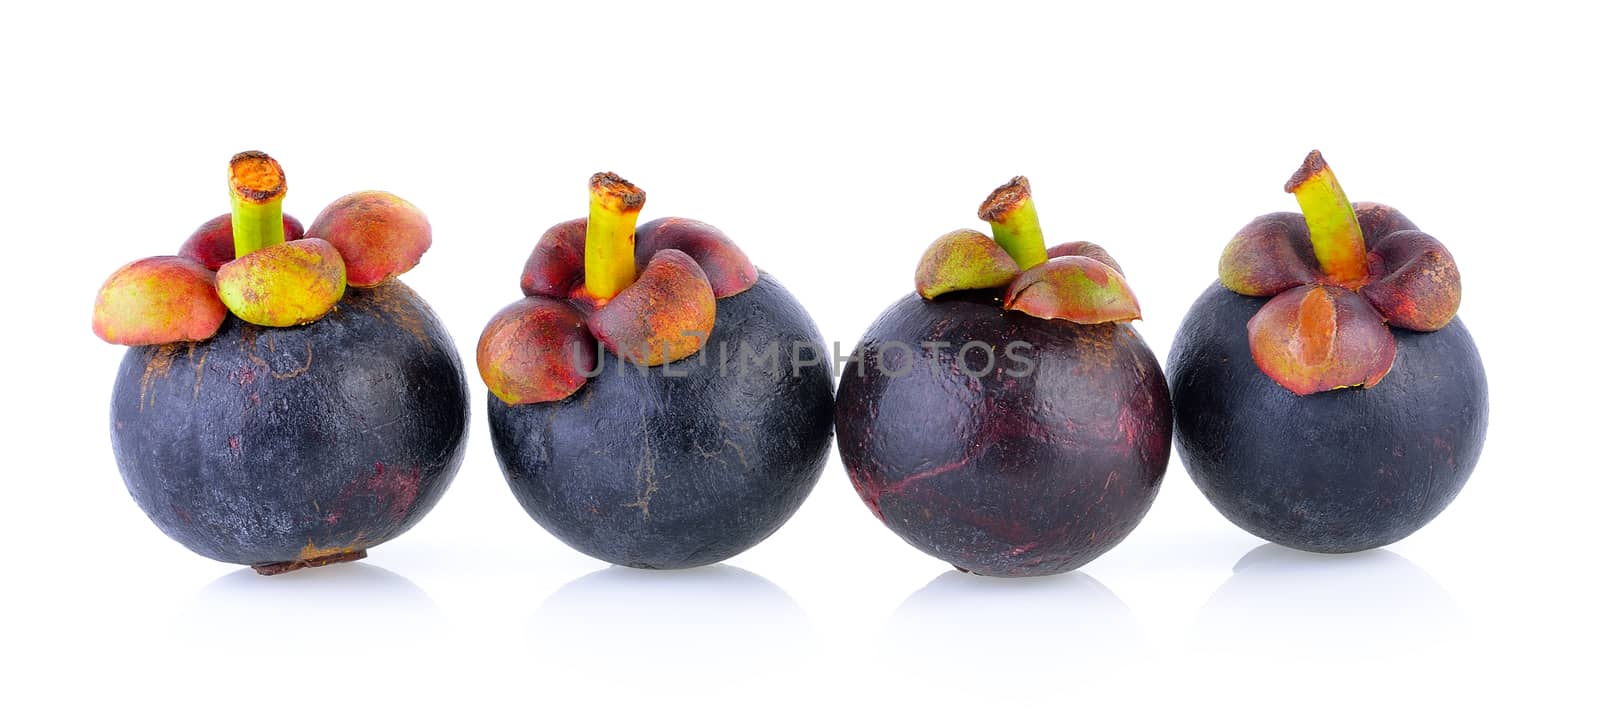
(157, 364)
(644, 475)
(617, 192)
(248, 342)
(255, 177)
(297, 371)
(283, 567)
(199, 367)
(1313, 164)
(1005, 198)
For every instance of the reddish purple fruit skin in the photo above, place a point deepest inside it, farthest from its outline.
(211, 245)
(1003, 475)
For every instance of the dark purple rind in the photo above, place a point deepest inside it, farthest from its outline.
(259, 443)
(686, 464)
(1001, 475)
(1338, 471)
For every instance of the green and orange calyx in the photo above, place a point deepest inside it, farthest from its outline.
(646, 293)
(1077, 281)
(1339, 275)
(271, 280)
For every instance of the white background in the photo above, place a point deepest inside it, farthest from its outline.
(834, 141)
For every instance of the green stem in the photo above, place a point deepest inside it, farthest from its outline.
(1335, 232)
(608, 259)
(256, 186)
(1010, 213)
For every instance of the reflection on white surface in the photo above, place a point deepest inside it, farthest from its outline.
(1284, 601)
(1017, 627)
(671, 627)
(300, 611)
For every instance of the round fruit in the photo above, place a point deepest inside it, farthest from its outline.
(1327, 397)
(1017, 472)
(685, 464)
(289, 447)
(656, 401)
(1338, 471)
(1006, 418)
(269, 415)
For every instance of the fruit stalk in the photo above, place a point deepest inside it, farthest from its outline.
(1335, 233)
(1010, 213)
(608, 259)
(256, 186)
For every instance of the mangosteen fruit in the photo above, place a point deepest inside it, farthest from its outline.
(657, 401)
(1005, 417)
(266, 414)
(1327, 396)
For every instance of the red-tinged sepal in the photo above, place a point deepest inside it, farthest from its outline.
(664, 316)
(1077, 289)
(1417, 285)
(157, 301)
(211, 245)
(727, 268)
(1379, 220)
(964, 260)
(1085, 248)
(1268, 256)
(535, 350)
(555, 268)
(380, 236)
(1318, 338)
